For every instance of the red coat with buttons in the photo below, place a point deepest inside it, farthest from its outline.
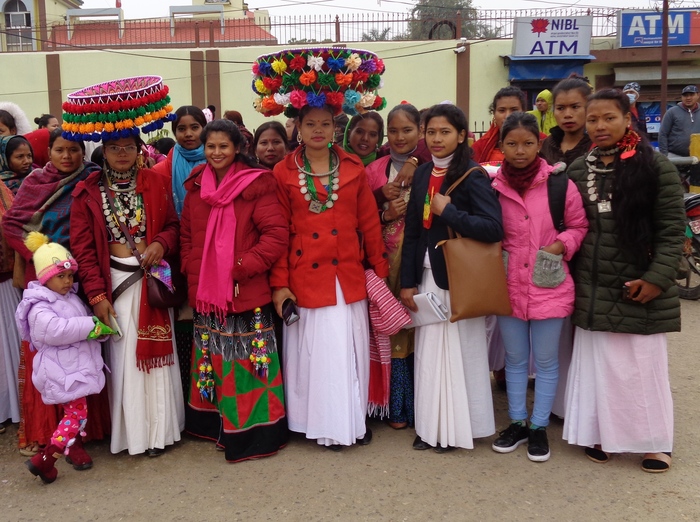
(262, 236)
(326, 246)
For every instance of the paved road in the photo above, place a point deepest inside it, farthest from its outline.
(386, 480)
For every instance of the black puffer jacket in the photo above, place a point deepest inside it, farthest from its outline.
(603, 266)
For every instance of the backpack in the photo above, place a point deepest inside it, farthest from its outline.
(557, 184)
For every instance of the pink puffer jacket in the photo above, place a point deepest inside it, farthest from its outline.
(528, 225)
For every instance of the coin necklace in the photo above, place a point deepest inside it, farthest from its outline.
(308, 188)
(604, 200)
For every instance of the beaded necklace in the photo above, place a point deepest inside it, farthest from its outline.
(595, 183)
(308, 188)
(128, 205)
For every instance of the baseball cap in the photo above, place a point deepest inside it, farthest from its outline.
(632, 86)
(689, 88)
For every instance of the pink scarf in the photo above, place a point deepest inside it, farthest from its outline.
(216, 285)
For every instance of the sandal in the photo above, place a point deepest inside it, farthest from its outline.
(656, 462)
(597, 455)
(29, 450)
(2, 429)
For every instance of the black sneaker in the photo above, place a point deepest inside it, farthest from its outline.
(509, 439)
(538, 445)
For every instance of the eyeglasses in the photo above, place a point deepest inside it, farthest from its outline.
(116, 149)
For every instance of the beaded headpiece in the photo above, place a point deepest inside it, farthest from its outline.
(344, 79)
(117, 109)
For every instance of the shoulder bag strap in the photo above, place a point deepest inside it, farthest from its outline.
(451, 232)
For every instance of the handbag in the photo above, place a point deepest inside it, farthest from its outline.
(157, 292)
(475, 273)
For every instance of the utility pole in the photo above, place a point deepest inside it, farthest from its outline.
(664, 58)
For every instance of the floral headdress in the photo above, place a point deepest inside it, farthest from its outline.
(117, 109)
(344, 79)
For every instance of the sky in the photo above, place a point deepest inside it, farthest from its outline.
(159, 8)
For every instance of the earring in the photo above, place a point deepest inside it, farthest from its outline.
(140, 162)
(299, 139)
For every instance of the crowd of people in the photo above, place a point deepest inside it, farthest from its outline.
(278, 232)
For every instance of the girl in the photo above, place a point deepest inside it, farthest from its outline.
(187, 153)
(506, 101)
(364, 135)
(326, 200)
(453, 390)
(390, 178)
(232, 231)
(618, 396)
(145, 389)
(270, 144)
(15, 161)
(539, 284)
(13, 120)
(568, 140)
(43, 204)
(68, 366)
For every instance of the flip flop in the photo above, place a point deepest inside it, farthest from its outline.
(597, 455)
(656, 462)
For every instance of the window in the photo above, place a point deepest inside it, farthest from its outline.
(18, 25)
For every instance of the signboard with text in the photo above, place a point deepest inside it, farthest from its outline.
(557, 36)
(644, 28)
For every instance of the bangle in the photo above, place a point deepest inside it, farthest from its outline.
(97, 299)
(382, 218)
(413, 160)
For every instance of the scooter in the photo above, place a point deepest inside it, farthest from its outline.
(688, 277)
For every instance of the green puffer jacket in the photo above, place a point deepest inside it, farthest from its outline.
(602, 266)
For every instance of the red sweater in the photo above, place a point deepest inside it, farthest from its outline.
(262, 236)
(326, 245)
(88, 232)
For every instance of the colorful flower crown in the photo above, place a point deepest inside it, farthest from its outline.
(116, 109)
(345, 79)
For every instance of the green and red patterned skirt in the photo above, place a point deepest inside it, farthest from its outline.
(236, 392)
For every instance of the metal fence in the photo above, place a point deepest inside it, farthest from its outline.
(288, 30)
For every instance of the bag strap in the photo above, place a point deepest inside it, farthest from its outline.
(451, 232)
(557, 185)
(464, 176)
(122, 226)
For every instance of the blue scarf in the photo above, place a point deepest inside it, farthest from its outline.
(184, 161)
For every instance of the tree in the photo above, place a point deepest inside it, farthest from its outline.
(437, 20)
(375, 35)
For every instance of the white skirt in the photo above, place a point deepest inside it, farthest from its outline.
(9, 352)
(566, 341)
(618, 393)
(452, 383)
(326, 371)
(148, 410)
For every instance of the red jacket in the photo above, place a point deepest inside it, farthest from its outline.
(262, 236)
(88, 232)
(326, 245)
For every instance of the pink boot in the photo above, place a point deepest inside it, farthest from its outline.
(42, 464)
(76, 455)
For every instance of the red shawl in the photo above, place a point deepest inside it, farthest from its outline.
(485, 145)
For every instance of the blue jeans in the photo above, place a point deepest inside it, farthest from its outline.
(543, 338)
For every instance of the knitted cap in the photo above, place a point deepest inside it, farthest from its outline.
(50, 259)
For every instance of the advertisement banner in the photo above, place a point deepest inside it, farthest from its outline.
(540, 37)
(644, 28)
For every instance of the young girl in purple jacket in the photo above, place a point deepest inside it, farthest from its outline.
(540, 287)
(68, 366)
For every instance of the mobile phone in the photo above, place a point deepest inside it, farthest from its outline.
(626, 295)
(289, 312)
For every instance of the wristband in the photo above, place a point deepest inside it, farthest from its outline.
(98, 298)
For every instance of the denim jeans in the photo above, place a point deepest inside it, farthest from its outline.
(519, 337)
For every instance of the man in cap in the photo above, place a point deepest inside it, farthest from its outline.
(679, 123)
(639, 118)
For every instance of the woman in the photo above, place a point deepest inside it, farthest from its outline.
(13, 120)
(43, 204)
(187, 153)
(270, 144)
(618, 396)
(506, 101)
(47, 121)
(568, 140)
(328, 204)
(544, 113)
(639, 118)
(145, 391)
(16, 158)
(233, 224)
(540, 287)
(364, 135)
(453, 390)
(390, 178)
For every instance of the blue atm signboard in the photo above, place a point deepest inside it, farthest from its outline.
(644, 28)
